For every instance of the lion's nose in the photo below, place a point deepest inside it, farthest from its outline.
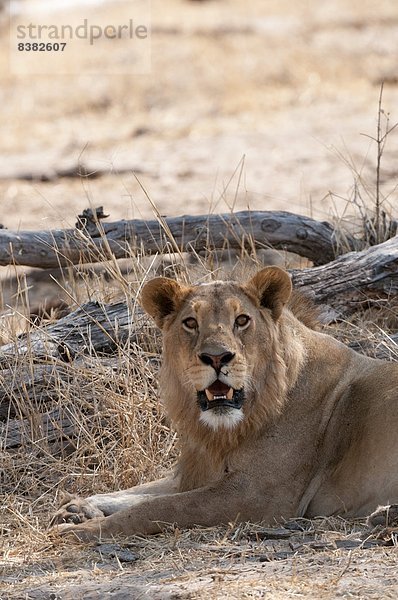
(216, 360)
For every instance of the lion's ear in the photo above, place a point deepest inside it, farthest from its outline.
(162, 296)
(272, 288)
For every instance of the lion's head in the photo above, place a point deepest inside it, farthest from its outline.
(229, 358)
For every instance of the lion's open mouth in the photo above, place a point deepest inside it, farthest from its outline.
(220, 395)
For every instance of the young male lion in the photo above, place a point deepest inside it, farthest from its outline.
(277, 420)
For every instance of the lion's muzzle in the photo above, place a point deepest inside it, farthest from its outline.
(220, 395)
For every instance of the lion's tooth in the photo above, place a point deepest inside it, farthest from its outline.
(209, 395)
(230, 394)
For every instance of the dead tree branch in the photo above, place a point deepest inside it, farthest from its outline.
(353, 278)
(93, 329)
(261, 229)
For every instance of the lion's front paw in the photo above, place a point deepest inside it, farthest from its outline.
(386, 516)
(84, 532)
(75, 510)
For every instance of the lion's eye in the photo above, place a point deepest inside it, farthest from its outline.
(190, 323)
(242, 321)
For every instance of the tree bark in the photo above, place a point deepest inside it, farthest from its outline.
(354, 278)
(94, 329)
(38, 384)
(51, 427)
(99, 241)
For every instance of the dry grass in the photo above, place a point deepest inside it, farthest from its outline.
(277, 94)
(114, 435)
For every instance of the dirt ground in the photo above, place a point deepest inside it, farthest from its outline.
(285, 87)
(213, 563)
(322, 576)
(258, 105)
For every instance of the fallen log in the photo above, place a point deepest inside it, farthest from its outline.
(49, 427)
(353, 278)
(27, 386)
(93, 329)
(42, 402)
(382, 346)
(93, 241)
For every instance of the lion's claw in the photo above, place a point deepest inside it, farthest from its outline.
(86, 532)
(75, 510)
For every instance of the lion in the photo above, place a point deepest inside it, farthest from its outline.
(277, 420)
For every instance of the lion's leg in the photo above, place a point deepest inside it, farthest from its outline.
(115, 501)
(234, 497)
(74, 509)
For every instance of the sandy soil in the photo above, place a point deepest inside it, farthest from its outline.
(287, 88)
(209, 564)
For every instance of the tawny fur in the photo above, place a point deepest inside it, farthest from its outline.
(319, 426)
